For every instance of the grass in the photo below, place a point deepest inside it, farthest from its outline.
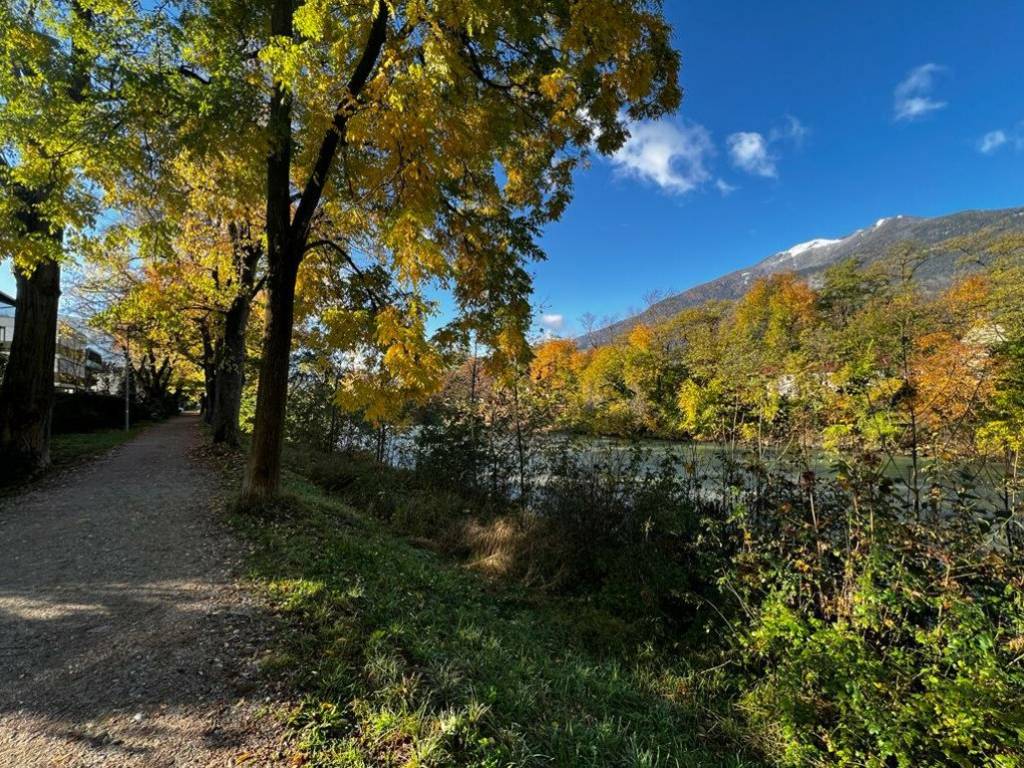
(72, 448)
(405, 658)
(67, 450)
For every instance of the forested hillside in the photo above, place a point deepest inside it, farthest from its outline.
(941, 235)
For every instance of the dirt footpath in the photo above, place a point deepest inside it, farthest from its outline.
(124, 637)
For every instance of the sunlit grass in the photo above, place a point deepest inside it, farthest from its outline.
(406, 659)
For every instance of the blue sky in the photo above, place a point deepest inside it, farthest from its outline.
(801, 120)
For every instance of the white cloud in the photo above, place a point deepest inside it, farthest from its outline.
(749, 152)
(724, 187)
(756, 154)
(913, 96)
(553, 322)
(793, 130)
(992, 141)
(673, 155)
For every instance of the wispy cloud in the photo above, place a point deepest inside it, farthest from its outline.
(724, 187)
(997, 140)
(671, 154)
(793, 130)
(992, 141)
(749, 152)
(913, 96)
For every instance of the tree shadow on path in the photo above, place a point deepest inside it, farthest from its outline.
(124, 639)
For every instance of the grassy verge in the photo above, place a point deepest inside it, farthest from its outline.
(404, 658)
(66, 451)
(72, 448)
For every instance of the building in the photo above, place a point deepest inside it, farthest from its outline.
(69, 371)
(7, 303)
(75, 367)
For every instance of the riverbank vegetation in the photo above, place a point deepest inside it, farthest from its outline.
(869, 365)
(624, 617)
(404, 658)
(836, 611)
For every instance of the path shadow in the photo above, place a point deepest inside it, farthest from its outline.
(121, 623)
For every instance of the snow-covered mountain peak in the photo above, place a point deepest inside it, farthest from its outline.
(819, 242)
(887, 219)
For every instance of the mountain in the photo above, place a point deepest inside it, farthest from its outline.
(812, 258)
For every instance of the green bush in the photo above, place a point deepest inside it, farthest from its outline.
(873, 640)
(633, 530)
(842, 630)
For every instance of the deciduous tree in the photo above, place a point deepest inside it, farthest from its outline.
(445, 132)
(81, 60)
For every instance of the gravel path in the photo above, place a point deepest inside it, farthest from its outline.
(125, 640)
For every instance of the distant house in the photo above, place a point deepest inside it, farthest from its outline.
(75, 365)
(69, 372)
(7, 304)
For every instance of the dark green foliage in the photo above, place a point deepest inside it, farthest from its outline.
(88, 411)
(453, 454)
(312, 418)
(870, 639)
(633, 530)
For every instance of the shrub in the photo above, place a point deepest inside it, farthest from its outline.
(874, 640)
(852, 633)
(890, 686)
(632, 528)
(88, 412)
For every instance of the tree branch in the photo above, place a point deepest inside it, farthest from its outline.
(191, 73)
(314, 188)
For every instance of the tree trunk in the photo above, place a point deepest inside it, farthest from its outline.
(152, 384)
(209, 374)
(26, 400)
(286, 243)
(230, 377)
(264, 471)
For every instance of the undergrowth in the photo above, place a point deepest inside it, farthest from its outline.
(628, 620)
(404, 658)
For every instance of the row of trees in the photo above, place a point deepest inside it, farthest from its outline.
(866, 361)
(332, 162)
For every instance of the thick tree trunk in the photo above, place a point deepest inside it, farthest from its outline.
(264, 472)
(26, 400)
(263, 475)
(230, 377)
(287, 236)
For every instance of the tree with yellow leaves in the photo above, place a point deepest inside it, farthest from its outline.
(82, 60)
(445, 133)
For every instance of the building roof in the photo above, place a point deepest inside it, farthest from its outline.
(6, 298)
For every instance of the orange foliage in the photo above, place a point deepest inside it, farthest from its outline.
(552, 358)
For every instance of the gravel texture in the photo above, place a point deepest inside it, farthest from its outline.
(126, 638)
